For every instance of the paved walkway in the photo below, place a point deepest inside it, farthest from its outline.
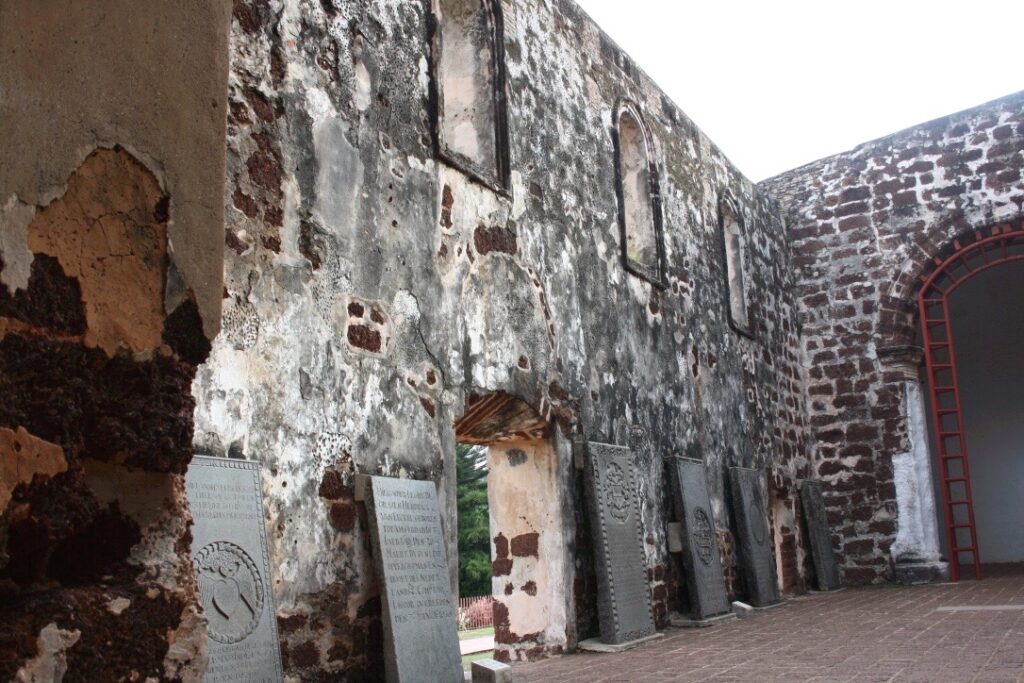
(877, 633)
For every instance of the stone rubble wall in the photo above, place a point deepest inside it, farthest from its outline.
(863, 226)
(111, 227)
(370, 290)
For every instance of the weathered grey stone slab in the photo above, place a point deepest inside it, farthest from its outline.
(701, 557)
(490, 671)
(624, 593)
(826, 571)
(420, 639)
(753, 537)
(229, 551)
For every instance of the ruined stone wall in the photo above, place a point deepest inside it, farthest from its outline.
(110, 269)
(863, 226)
(371, 289)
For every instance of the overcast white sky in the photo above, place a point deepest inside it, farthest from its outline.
(780, 83)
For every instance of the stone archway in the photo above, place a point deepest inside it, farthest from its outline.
(972, 255)
(917, 549)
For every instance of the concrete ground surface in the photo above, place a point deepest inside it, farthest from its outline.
(866, 634)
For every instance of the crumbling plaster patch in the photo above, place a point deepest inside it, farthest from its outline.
(108, 232)
(24, 457)
(130, 85)
(51, 663)
(917, 534)
(15, 217)
(186, 657)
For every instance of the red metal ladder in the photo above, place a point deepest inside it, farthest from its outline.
(954, 468)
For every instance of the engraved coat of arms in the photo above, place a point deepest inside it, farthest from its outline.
(231, 590)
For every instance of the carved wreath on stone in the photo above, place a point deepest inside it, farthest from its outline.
(231, 590)
(703, 537)
(617, 492)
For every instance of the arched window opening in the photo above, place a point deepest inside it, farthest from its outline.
(639, 198)
(469, 80)
(735, 246)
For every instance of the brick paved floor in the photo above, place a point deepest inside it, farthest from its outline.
(876, 633)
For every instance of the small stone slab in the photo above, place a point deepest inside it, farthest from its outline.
(598, 645)
(229, 552)
(753, 536)
(701, 557)
(490, 671)
(742, 609)
(826, 570)
(623, 591)
(421, 643)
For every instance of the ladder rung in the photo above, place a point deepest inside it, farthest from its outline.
(942, 366)
(965, 549)
(936, 344)
(960, 526)
(949, 433)
(953, 480)
(944, 389)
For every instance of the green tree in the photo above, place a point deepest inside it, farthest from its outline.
(474, 521)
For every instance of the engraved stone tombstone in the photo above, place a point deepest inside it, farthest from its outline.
(826, 570)
(701, 558)
(421, 643)
(229, 551)
(624, 593)
(754, 539)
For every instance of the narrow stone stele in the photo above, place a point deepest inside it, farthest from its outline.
(229, 552)
(491, 671)
(421, 644)
(754, 540)
(623, 590)
(826, 570)
(700, 553)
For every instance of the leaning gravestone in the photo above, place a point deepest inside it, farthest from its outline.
(701, 558)
(624, 594)
(229, 551)
(826, 570)
(758, 562)
(420, 639)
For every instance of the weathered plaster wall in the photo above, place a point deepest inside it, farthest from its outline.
(369, 289)
(526, 489)
(110, 277)
(863, 226)
(76, 76)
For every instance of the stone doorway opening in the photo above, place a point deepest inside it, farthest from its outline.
(972, 322)
(528, 469)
